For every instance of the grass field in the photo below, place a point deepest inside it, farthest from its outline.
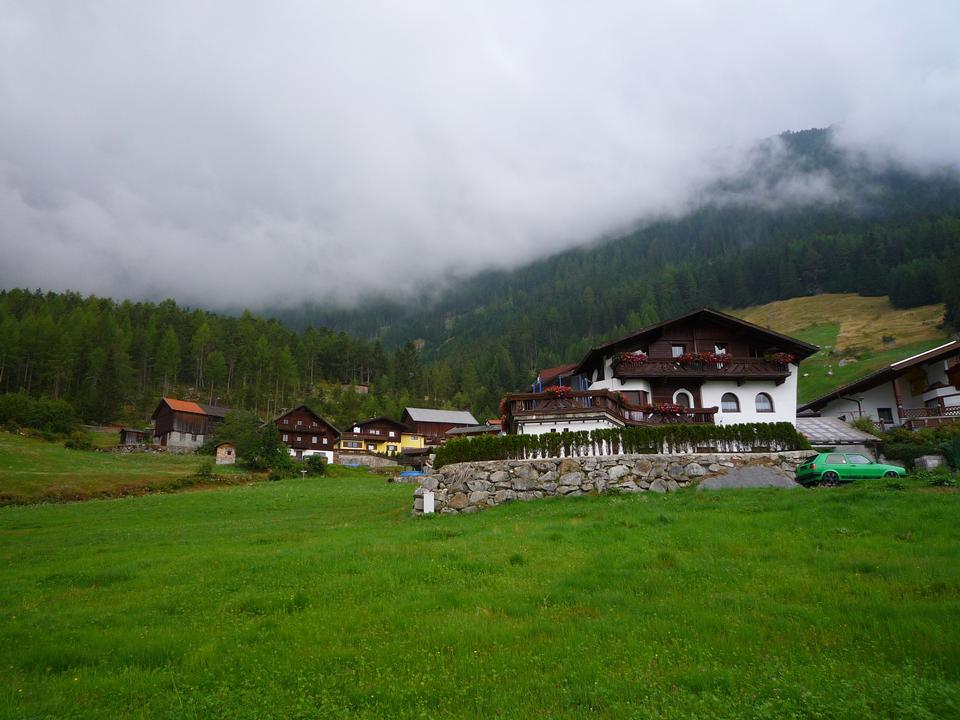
(865, 330)
(323, 598)
(34, 470)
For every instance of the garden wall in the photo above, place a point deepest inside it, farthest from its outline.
(471, 486)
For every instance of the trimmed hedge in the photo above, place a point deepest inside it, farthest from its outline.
(747, 437)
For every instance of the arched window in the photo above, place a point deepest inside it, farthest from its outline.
(730, 403)
(764, 403)
(683, 399)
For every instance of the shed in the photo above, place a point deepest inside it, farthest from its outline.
(226, 453)
(129, 436)
(830, 432)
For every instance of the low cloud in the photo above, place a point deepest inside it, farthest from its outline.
(229, 155)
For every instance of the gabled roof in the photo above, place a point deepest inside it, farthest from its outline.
(215, 410)
(474, 430)
(459, 417)
(797, 347)
(548, 374)
(182, 406)
(313, 414)
(380, 418)
(884, 374)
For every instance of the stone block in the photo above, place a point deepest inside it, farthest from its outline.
(694, 470)
(479, 497)
(499, 477)
(643, 467)
(673, 486)
(928, 462)
(478, 485)
(525, 471)
(617, 472)
(458, 501)
(429, 483)
(569, 465)
(549, 488)
(658, 486)
(502, 496)
(571, 478)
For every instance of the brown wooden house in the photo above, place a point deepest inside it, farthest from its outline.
(434, 424)
(306, 433)
(183, 424)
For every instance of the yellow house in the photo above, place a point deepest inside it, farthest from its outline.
(380, 435)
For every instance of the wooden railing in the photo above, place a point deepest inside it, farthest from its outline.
(929, 416)
(737, 368)
(587, 402)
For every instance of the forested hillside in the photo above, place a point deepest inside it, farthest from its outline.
(880, 231)
(113, 360)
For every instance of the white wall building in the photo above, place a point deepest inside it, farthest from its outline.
(918, 391)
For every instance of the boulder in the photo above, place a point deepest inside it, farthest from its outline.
(643, 467)
(499, 477)
(571, 478)
(617, 472)
(694, 470)
(569, 465)
(928, 462)
(429, 483)
(673, 486)
(478, 485)
(550, 488)
(525, 471)
(523, 483)
(480, 497)
(752, 476)
(658, 486)
(548, 477)
(459, 501)
(502, 496)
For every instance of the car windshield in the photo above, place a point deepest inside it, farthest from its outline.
(858, 459)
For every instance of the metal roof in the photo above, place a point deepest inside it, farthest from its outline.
(832, 431)
(460, 417)
(473, 430)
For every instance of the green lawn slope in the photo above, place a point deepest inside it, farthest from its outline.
(316, 598)
(864, 333)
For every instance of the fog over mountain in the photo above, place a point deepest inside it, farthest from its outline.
(227, 155)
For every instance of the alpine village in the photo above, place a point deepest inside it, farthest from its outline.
(497, 361)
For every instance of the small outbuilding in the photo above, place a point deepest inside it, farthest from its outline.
(129, 436)
(226, 453)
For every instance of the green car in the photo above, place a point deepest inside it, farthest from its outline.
(834, 468)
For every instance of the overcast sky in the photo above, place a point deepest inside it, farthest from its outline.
(232, 153)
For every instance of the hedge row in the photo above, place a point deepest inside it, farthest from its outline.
(747, 437)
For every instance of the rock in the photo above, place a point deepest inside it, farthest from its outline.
(694, 470)
(458, 501)
(574, 491)
(673, 486)
(597, 475)
(675, 470)
(499, 477)
(658, 486)
(569, 465)
(479, 497)
(928, 462)
(714, 467)
(643, 467)
(418, 505)
(525, 472)
(571, 478)
(478, 485)
(752, 476)
(502, 496)
(548, 477)
(628, 485)
(418, 492)
(470, 509)
(521, 483)
(549, 488)
(429, 483)
(643, 485)
(617, 472)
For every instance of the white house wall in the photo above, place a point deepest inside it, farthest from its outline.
(881, 396)
(784, 397)
(539, 428)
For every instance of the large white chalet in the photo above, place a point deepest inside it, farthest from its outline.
(702, 367)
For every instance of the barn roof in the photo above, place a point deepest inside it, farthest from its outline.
(460, 417)
(183, 406)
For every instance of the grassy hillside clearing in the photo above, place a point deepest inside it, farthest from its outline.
(865, 333)
(35, 470)
(323, 598)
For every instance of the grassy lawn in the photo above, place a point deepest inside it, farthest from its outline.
(323, 598)
(859, 329)
(34, 470)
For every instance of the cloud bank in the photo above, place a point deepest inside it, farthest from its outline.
(232, 154)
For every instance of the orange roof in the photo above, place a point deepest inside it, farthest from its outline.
(184, 406)
(555, 372)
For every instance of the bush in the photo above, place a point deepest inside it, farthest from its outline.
(316, 465)
(652, 439)
(78, 441)
(53, 417)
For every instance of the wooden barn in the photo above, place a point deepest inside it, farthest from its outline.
(185, 425)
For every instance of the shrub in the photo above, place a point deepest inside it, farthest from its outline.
(649, 439)
(54, 417)
(316, 465)
(78, 441)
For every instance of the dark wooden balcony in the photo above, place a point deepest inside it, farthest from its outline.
(595, 404)
(940, 414)
(740, 369)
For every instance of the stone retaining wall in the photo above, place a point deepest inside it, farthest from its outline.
(472, 486)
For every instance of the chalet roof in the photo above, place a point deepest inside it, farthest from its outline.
(312, 414)
(555, 372)
(797, 347)
(458, 417)
(884, 374)
(182, 406)
(380, 418)
(473, 430)
(215, 410)
(832, 431)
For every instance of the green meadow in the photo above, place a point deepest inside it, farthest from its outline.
(323, 597)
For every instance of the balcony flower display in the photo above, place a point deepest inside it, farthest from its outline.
(699, 359)
(780, 358)
(558, 390)
(662, 409)
(629, 358)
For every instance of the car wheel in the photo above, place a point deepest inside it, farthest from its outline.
(829, 478)
(891, 473)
